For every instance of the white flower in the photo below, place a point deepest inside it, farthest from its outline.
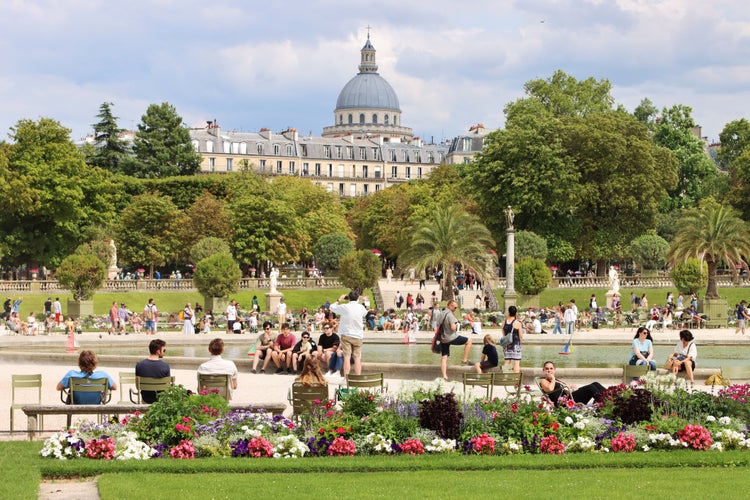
(725, 420)
(717, 446)
(646, 448)
(439, 445)
(568, 420)
(580, 425)
(710, 418)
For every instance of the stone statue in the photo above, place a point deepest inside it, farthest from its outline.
(274, 275)
(614, 279)
(113, 258)
(509, 216)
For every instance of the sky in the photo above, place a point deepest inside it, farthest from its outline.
(253, 64)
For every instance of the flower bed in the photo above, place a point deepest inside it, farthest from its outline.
(424, 419)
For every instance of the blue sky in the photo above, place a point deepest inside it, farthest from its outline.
(282, 64)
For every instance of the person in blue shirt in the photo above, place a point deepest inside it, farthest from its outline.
(87, 369)
(643, 349)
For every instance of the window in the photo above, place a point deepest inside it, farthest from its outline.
(467, 144)
(209, 146)
(374, 118)
(279, 166)
(377, 187)
(364, 171)
(235, 148)
(317, 169)
(431, 158)
(394, 172)
(419, 172)
(262, 165)
(227, 147)
(361, 118)
(351, 119)
(229, 164)
(292, 168)
(417, 157)
(329, 187)
(303, 149)
(366, 189)
(406, 157)
(341, 189)
(374, 153)
(341, 119)
(276, 150)
(350, 152)
(338, 152)
(393, 155)
(352, 190)
(395, 119)
(385, 120)
(341, 170)
(260, 149)
(305, 169)
(467, 160)
(362, 153)
(327, 151)
(212, 164)
(243, 148)
(408, 172)
(377, 171)
(330, 170)
(196, 145)
(289, 150)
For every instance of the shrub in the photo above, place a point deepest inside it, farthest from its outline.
(532, 276)
(689, 276)
(359, 270)
(650, 251)
(441, 415)
(331, 248)
(207, 247)
(217, 276)
(81, 274)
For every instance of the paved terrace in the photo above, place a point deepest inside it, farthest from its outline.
(46, 355)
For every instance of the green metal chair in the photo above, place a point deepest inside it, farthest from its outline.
(25, 382)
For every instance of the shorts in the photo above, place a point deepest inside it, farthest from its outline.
(351, 346)
(682, 366)
(230, 325)
(445, 347)
(486, 365)
(741, 323)
(150, 325)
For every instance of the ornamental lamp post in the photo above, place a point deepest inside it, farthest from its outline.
(509, 296)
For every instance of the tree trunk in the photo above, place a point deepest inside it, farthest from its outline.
(712, 290)
(601, 267)
(447, 284)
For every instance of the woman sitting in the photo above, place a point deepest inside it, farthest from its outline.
(684, 356)
(311, 375)
(87, 369)
(643, 349)
(554, 388)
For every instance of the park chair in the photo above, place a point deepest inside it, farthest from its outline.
(565, 391)
(151, 384)
(220, 383)
(511, 381)
(630, 372)
(25, 382)
(376, 380)
(735, 374)
(481, 380)
(126, 379)
(83, 390)
(303, 398)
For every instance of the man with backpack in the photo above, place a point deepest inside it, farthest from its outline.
(450, 337)
(150, 314)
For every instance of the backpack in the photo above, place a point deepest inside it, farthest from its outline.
(181, 315)
(150, 312)
(437, 343)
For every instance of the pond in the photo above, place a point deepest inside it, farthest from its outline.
(582, 356)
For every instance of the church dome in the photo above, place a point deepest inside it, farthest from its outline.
(368, 90)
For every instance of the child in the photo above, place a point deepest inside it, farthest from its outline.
(207, 320)
(489, 356)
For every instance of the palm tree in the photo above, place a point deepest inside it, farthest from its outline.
(447, 237)
(712, 234)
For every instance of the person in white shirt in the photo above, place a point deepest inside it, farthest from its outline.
(570, 316)
(281, 311)
(351, 330)
(536, 324)
(231, 314)
(218, 366)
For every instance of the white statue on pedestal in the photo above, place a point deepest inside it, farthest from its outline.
(614, 279)
(274, 274)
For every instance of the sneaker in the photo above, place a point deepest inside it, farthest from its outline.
(279, 370)
(328, 374)
(253, 371)
(288, 371)
(467, 363)
(262, 371)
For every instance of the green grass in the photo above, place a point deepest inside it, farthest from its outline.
(439, 484)
(20, 463)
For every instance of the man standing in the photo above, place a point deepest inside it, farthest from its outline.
(48, 307)
(570, 318)
(218, 366)
(231, 314)
(150, 313)
(742, 316)
(351, 331)
(153, 367)
(281, 311)
(57, 309)
(451, 337)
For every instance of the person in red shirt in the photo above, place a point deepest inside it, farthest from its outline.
(282, 349)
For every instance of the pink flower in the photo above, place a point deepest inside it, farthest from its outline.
(483, 444)
(412, 447)
(101, 448)
(341, 447)
(259, 448)
(552, 445)
(696, 437)
(623, 443)
(183, 450)
(514, 407)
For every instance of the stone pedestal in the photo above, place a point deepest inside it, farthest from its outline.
(112, 272)
(509, 299)
(216, 304)
(272, 300)
(80, 308)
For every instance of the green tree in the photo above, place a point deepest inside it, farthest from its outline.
(735, 141)
(330, 249)
(50, 196)
(99, 248)
(712, 233)
(110, 150)
(81, 274)
(206, 247)
(147, 232)
(649, 250)
(359, 270)
(162, 145)
(207, 217)
(689, 276)
(217, 275)
(447, 237)
(532, 276)
(646, 112)
(528, 244)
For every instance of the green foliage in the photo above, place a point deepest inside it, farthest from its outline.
(110, 151)
(560, 250)
(162, 145)
(176, 406)
(528, 244)
(330, 248)
(206, 247)
(735, 141)
(359, 270)
(101, 249)
(532, 276)
(689, 276)
(217, 275)
(649, 250)
(82, 275)
(361, 403)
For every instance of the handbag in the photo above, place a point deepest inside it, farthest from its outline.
(437, 346)
(505, 340)
(668, 364)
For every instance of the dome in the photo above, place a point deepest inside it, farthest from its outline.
(368, 90)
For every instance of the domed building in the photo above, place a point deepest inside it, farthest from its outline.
(368, 106)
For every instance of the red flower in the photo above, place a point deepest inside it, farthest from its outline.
(514, 407)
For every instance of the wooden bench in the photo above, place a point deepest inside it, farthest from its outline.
(33, 412)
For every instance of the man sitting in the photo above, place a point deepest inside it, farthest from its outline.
(281, 355)
(153, 367)
(218, 366)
